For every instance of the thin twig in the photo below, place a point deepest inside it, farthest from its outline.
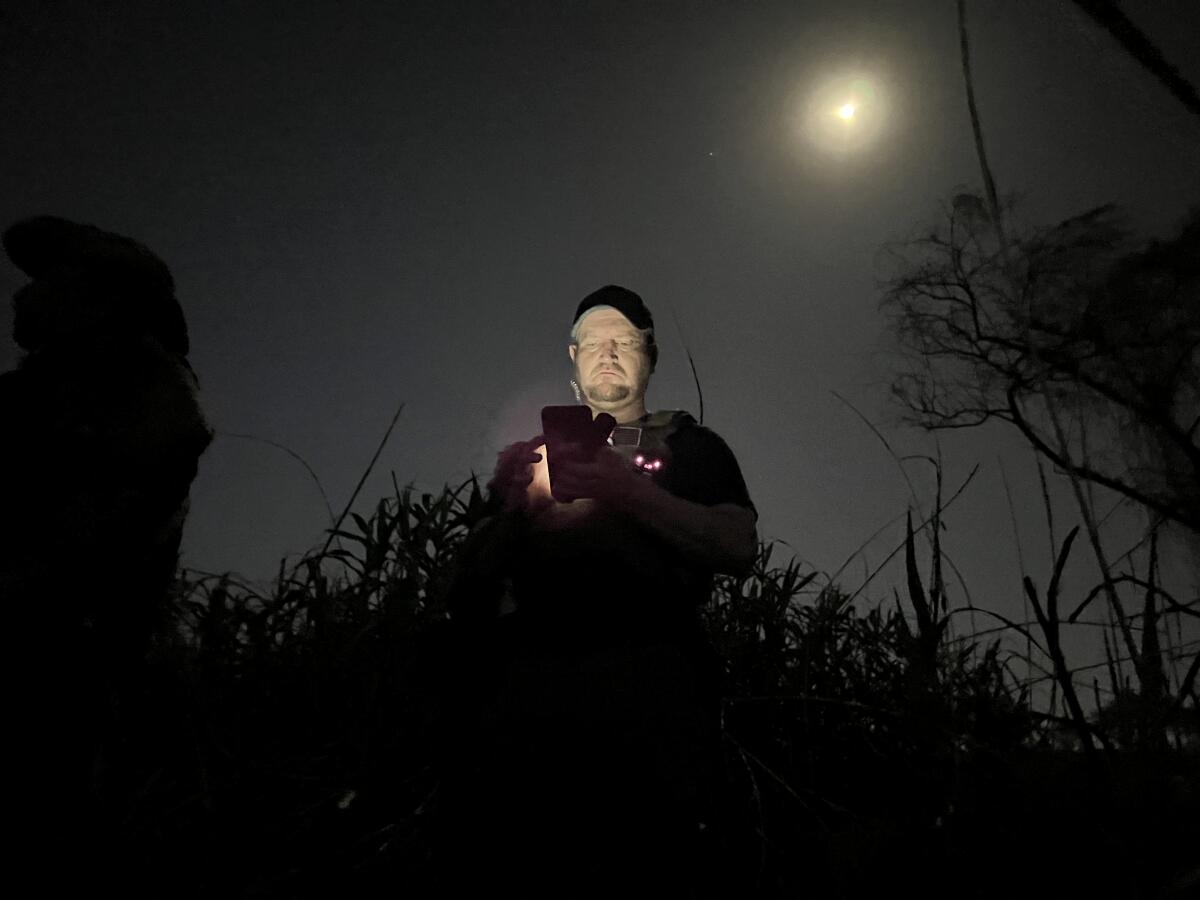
(294, 455)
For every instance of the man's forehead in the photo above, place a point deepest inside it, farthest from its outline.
(607, 321)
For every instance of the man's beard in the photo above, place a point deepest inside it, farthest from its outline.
(607, 392)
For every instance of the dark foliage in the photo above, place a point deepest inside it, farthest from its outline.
(288, 742)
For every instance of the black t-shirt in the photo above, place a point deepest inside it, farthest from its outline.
(605, 579)
(698, 465)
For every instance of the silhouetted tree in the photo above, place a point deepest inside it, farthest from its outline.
(1084, 343)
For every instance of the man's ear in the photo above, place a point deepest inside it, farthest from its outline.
(571, 350)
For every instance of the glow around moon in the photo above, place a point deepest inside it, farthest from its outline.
(845, 115)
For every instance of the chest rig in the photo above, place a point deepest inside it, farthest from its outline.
(644, 443)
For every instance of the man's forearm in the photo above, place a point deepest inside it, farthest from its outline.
(722, 538)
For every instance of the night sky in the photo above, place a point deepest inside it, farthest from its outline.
(372, 204)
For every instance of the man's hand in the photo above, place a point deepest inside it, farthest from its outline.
(609, 478)
(514, 474)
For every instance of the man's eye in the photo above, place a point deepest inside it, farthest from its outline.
(626, 345)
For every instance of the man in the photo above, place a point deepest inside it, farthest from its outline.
(602, 726)
(103, 434)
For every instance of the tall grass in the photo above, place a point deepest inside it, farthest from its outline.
(289, 737)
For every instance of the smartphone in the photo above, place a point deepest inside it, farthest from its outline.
(572, 427)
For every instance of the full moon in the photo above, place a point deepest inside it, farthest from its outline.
(845, 115)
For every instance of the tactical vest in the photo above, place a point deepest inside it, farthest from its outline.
(645, 443)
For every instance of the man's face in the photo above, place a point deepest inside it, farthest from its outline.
(611, 362)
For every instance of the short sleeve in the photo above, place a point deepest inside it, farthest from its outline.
(703, 469)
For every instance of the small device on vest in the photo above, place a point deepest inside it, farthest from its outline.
(628, 439)
(645, 444)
